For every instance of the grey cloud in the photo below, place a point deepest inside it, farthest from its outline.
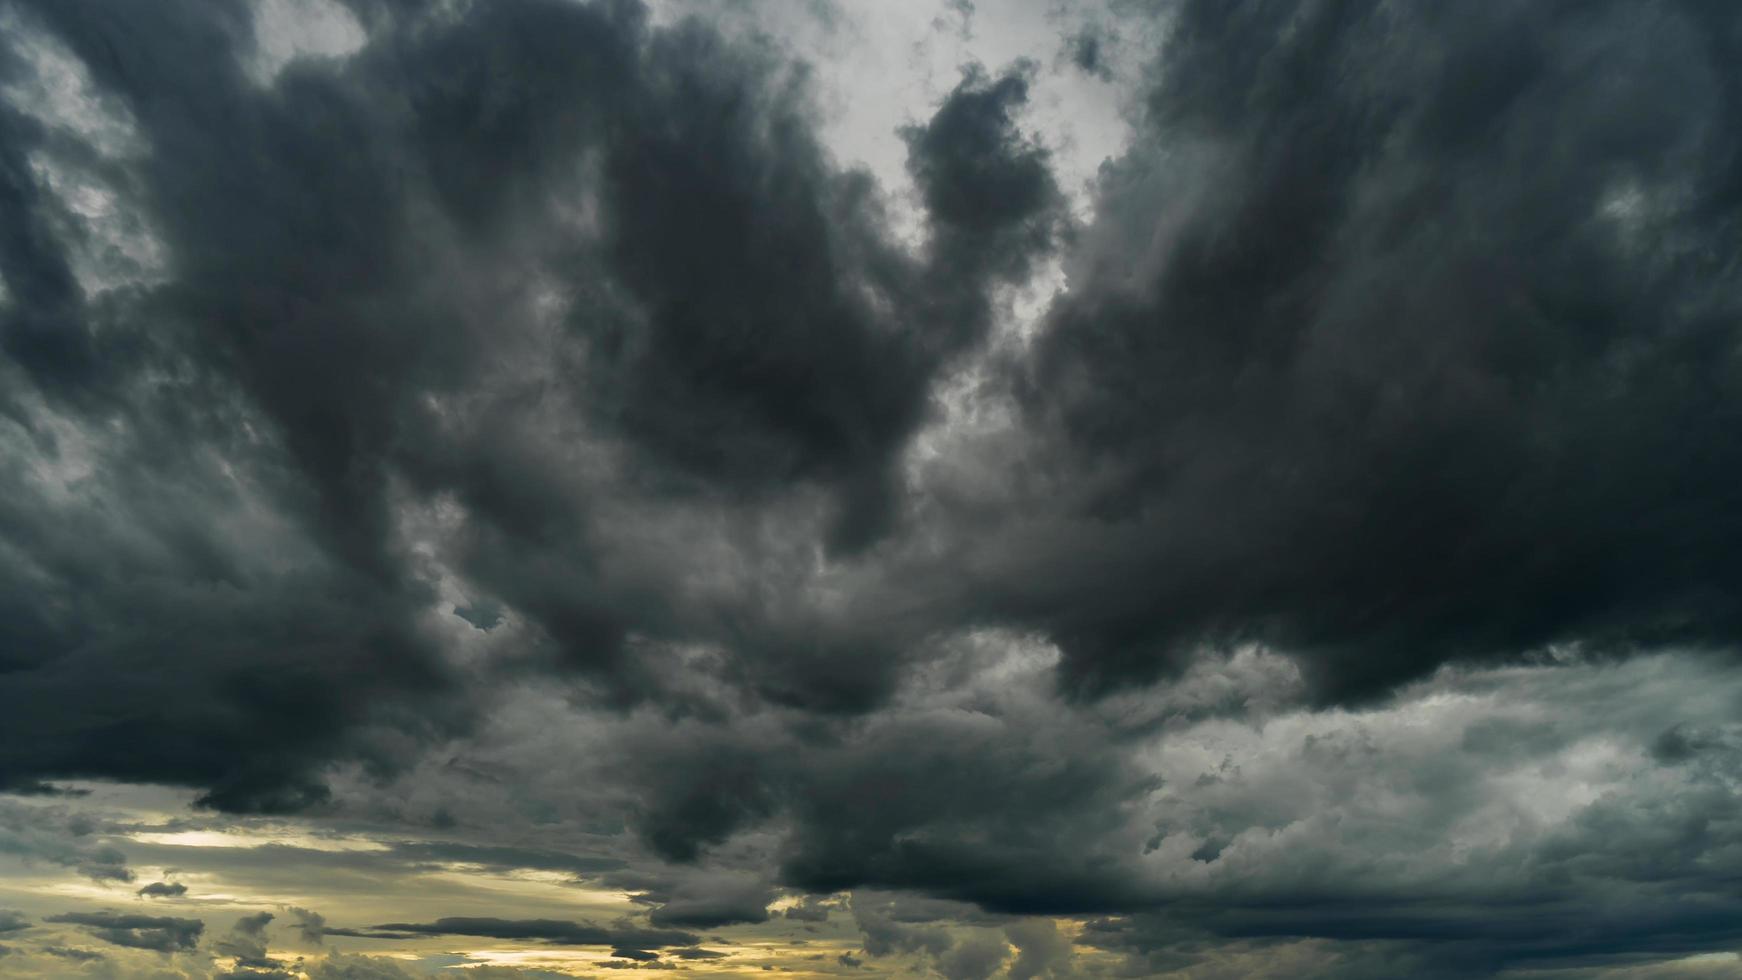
(1589, 887)
(60, 836)
(525, 973)
(1390, 831)
(311, 926)
(694, 953)
(539, 353)
(989, 190)
(163, 889)
(1088, 51)
(916, 800)
(341, 967)
(810, 908)
(717, 339)
(1041, 951)
(246, 942)
(974, 958)
(162, 934)
(891, 925)
(709, 900)
(73, 953)
(361, 871)
(499, 857)
(554, 931)
(105, 864)
(1394, 334)
(885, 936)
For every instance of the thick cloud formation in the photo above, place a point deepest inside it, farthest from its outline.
(481, 265)
(1405, 334)
(514, 419)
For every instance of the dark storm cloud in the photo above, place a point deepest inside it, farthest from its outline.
(43, 332)
(1403, 334)
(557, 932)
(157, 625)
(762, 359)
(988, 191)
(916, 796)
(162, 934)
(534, 345)
(922, 803)
(357, 244)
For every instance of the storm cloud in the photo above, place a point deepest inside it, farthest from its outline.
(1404, 336)
(544, 442)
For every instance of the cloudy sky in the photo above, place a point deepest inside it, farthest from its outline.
(1019, 490)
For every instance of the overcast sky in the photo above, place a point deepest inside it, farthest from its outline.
(1024, 490)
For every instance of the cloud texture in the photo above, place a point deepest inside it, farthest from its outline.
(1313, 534)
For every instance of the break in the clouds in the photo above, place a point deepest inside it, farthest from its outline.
(1019, 490)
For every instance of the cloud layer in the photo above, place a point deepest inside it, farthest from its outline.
(516, 430)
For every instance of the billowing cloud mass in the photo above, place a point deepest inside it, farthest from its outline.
(1025, 490)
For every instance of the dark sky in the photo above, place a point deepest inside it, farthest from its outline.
(1193, 488)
